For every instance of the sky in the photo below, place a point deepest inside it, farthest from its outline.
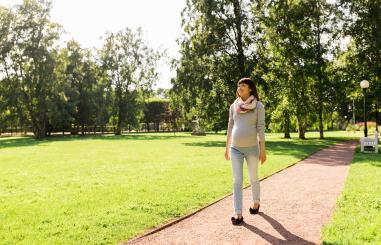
(87, 20)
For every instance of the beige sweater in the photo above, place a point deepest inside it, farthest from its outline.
(246, 129)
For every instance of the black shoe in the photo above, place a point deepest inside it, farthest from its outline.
(236, 221)
(254, 210)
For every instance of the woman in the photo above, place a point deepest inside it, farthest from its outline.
(246, 140)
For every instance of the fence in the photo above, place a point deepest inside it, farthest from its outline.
(91, 130)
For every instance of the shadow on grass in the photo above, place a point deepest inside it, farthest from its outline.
(365, 158)
(295, 147)
(30, 141)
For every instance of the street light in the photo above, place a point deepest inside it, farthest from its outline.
(364, 84)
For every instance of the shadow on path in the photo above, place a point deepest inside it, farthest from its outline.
(287, 235)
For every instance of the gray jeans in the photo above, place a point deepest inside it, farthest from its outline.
(237, 155)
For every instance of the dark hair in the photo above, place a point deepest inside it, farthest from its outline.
(251, 85)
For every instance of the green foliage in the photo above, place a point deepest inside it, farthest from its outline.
(57, 89)
(361, 21)
(216, 51)
(291, 49)
(156, 111)
(131, 68)
(286, 49)
(294, 62)
(29, 37)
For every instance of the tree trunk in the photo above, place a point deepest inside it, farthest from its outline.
(320, 78)
(119, 123)
(287, 127)
(118, 130)
(39, 131)
(321, 129)
(301, 128)
(377, 114)
(82, 129)
(38, 125)
(238, 26)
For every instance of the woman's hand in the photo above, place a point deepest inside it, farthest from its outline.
(227, 154)
(262, 152)
(262, 156)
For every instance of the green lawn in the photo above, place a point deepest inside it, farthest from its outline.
(357, 218)
(106, 189)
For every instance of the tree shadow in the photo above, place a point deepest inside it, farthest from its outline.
(377, 164)
(364, 158)
(289, 238)
(330, 243)
(19, 142)
(30, 141)
(206, 144)
(139, 137)
(297, 148)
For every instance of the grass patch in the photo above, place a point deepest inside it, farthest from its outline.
(357, 218)
(105, 189)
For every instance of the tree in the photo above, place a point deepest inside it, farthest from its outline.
(362, 21)
(130, 66)
(33, 61)
(62, 106)
(322, 21)
(156, 111)
(11, 110)
(216, 51)
(294, 59)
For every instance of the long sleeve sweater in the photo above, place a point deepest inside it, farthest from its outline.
(246, 129)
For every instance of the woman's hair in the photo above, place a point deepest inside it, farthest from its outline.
(251, 85)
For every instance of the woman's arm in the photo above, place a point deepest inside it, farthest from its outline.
(229, 133)
(261, 133)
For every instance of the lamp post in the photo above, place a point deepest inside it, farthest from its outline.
(364, 84)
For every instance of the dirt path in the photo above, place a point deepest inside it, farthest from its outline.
(295, 204)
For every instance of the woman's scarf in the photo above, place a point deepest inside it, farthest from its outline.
(245, 106)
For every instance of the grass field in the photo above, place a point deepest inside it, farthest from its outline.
(106, 189)
(357, 218)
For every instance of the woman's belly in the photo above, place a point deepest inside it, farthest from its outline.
(244, 135)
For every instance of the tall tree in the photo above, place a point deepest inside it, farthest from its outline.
(322, 22)
(131, 67)
(32, 59)
(363, 24)
(288, 56)
(298, 41)
(10, 105)
(216, 51)
(62, 108)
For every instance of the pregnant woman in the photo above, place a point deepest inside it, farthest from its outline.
(246, 140)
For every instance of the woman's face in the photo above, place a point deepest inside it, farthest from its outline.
(243, 90)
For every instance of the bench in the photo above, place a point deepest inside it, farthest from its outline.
(369, 144)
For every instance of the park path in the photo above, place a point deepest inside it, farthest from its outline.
(295, 204)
